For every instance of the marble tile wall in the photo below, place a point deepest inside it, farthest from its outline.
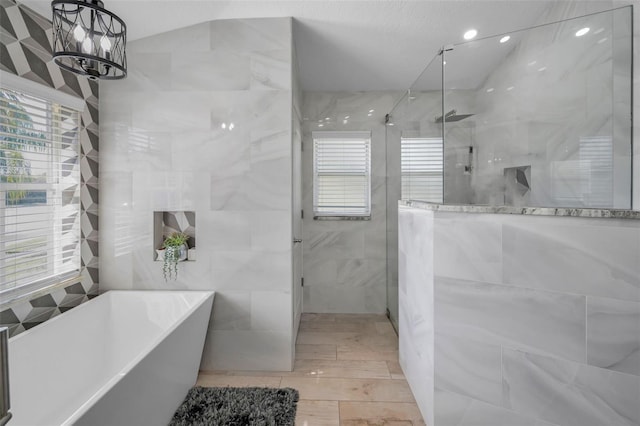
(345, 261)
(169, 145)
(416, 308)
(536, 319)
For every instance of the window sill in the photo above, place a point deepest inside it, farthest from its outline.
(342, 218)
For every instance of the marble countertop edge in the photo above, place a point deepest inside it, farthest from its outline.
(534, 211)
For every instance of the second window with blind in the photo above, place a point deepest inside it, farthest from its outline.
(422, 169)
(342, 175)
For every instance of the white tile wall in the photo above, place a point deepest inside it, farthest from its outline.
(416, 299)
(548, 331)
(165, 149)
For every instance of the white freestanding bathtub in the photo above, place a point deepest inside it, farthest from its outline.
(124, 358)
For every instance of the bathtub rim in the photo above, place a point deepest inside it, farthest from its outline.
(117, 377)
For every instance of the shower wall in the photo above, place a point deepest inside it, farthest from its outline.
(166, 149)
(344, 260)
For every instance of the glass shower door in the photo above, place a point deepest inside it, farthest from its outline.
(415, 161)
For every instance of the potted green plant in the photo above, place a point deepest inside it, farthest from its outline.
(175, 250)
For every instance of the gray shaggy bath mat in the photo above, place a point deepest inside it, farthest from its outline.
(237, 407)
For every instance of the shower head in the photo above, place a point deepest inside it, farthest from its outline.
(452, 116)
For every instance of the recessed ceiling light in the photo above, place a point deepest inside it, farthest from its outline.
(490, 89)
(505, 39)
(542, 69)
(346, 117)
(470, 34)
(320, 125)
(582, 31)
(371, 110)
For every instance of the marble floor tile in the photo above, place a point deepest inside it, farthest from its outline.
(379, 413)
(317, 413)
(316, 352)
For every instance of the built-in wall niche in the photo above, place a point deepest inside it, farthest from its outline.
(166, 223)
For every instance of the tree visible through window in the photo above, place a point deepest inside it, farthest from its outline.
(39, 191)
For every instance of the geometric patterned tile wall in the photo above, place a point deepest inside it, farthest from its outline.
(25, 50)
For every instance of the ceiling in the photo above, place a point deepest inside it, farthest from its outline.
(343, 45)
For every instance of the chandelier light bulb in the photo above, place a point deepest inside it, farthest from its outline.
(87, 45)
(105, 43)
(78, 33)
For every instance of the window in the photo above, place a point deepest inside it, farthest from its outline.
(421, 163)
(342, 174)
(588, 180)
(39, 193)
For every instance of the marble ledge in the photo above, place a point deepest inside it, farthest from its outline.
(534, 211)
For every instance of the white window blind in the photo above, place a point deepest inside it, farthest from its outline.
(421, 162)
(342, 174)
(39, 192)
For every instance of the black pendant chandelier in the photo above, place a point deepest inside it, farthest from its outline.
(88, 39)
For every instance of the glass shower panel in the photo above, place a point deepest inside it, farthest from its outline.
(543, 119)
(414, 160)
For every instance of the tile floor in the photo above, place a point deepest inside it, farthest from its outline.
(346, 371)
